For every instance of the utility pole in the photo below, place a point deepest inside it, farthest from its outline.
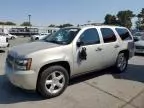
(29, 17)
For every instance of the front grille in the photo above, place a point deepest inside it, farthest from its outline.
(139, 47)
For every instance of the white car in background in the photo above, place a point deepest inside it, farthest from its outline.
(3, 42)
(10, 36)
(139, 42)
(39, 36)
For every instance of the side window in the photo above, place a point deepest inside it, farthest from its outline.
(124, 34)
(90, 36)
(108, 35)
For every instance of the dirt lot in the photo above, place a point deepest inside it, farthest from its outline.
(96, 90)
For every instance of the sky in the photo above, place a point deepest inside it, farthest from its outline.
(46, 12)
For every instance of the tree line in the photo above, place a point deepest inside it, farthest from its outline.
(7, 23)
(29, 24)
(61, 26)
(124, 18)
(13, 24)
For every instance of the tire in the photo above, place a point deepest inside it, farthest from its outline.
(37, 38)
(8, 45)
(57, 79)
(121, 63)
(12, 37)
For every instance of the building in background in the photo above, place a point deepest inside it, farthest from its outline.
(45, 29)
(23, 31)
(26, 30)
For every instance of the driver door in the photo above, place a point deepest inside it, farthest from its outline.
(92, 45)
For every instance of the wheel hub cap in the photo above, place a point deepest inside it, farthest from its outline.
(55, 82)
(121, 62)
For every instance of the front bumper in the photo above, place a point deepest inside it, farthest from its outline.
(23, 79)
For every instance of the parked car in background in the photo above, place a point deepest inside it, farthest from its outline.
(10, 36)
(137, 35)
(139, 42)
(48, 65)
(3, 42)
(39, 36)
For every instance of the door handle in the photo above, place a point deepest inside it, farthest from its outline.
(116, 46)
(98, 49)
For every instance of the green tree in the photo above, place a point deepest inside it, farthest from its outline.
(1, 23)
(140, 21)
(125, 17)
(52, 25)
(110, 20)
(138, 24)
(65, 25)
(26, 24)
(9, 23)
(141, 15)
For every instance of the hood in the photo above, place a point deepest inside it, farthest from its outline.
(28, 48)
(139, 43)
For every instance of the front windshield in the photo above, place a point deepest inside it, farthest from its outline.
(63, 36)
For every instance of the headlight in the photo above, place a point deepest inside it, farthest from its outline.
(23, 64)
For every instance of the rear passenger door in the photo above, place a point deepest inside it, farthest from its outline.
(110, 46)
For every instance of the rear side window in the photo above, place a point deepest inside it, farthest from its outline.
(108, 35)
(124, 34)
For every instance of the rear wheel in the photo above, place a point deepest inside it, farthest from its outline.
(121, 63)
(52, 81)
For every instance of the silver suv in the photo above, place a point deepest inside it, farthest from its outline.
(47, 65)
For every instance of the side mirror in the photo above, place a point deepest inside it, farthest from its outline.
(79, 43)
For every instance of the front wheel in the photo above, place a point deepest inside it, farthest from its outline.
(36, 38)
(121, 63)
(12, 37)
(52, 81)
